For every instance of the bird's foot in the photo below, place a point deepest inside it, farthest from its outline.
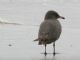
(45, 53)
(54, 54)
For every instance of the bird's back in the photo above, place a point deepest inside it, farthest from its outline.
(49, 31)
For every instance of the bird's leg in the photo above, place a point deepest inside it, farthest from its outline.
(54, 48)
(45, 53)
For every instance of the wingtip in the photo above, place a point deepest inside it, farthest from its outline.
(36, 39)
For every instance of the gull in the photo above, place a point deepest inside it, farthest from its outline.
(50, 30)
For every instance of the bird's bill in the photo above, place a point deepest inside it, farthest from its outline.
(62, 17)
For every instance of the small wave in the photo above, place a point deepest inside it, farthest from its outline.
(10, 23)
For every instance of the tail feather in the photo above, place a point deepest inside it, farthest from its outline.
(36, 40)
(41, 41)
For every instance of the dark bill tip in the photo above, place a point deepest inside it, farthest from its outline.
(62, 17)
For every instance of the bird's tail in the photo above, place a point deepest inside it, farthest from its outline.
(41, 41)
(36, 39)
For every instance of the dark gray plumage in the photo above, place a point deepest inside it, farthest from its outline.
(50, 29)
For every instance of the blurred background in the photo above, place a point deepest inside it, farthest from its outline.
(16, 41)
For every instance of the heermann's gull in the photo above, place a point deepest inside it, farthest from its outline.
(50, 29)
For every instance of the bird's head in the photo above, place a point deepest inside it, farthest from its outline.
(52, 15)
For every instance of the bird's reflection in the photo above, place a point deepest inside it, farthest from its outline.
(47, 58)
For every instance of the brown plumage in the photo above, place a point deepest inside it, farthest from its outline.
(50, 29)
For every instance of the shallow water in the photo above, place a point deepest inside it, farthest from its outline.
(30, 14)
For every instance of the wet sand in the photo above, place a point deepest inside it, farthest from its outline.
(16, 41)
